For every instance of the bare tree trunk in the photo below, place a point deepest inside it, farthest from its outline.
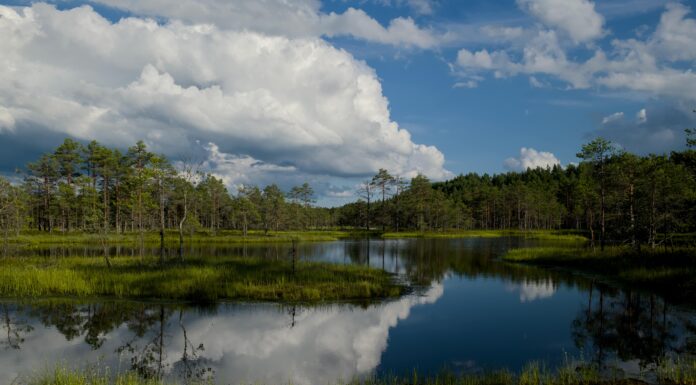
(161, 209)
(181, 228)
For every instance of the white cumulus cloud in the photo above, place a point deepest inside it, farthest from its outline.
(531, 158)
(578, 18)
(297, 18)
(268, 103)
(658, 65)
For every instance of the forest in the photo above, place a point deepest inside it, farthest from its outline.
(610, 196)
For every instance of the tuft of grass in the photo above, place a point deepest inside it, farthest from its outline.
(195, 279)
(670, 272)
(677, 371)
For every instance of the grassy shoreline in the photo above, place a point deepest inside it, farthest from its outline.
(677, 372)
(552, 235)
(669, 272)
(172, 237)
(234, 236)
(195, 279)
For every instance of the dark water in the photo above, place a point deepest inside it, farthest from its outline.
(473, 313)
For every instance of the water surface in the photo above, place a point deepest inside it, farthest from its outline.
(471, 313)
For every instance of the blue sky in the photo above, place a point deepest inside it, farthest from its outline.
(330, 91)
(479, 128)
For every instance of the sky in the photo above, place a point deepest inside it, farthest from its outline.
(328, 92)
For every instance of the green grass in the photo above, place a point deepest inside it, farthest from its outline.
(677, 372)
(532, 234)
(91, 376)
(196, 279)
(671, 272)
(172, 237)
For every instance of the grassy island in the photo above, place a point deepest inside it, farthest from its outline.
(195, 279)
(670, 272)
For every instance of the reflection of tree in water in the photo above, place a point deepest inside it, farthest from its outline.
(15, 326)
(148, 360)
(94, 321)
(192, 365)
(148, 324)
(629, 325)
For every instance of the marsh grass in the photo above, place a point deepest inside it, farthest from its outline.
(195, 279)
(551, 235)
(672, 272)
(681, 371)
(91, 376)
(172, 237)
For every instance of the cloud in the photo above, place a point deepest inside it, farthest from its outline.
(642, 116)
(421, 7)
(300, 18)
(355, 22)
(466, 84)
(613, 117)
(661, 132)
(531, 158)
(267, 103)
(658, 65)
(577, 18)
(7, 121)
(674, 37)
(503, 33)
(536, 83)
(238, 170)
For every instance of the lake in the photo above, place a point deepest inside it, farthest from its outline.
(470, 312)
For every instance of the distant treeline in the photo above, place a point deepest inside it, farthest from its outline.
(611, 194)
(93, 188)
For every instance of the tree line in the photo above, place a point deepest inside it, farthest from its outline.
(93, 188)
(611, 194)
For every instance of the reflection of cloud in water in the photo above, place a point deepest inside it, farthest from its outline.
(533, 290)
(324, 345)
(243, 343)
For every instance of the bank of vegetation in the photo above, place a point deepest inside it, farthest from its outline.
(675, 372)
(670, 272)
(193, 279)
